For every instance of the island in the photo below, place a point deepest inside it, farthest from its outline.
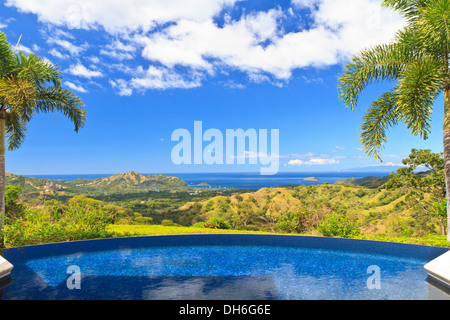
(203, 184)
(311, 179)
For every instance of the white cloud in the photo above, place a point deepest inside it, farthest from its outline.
(81, 71)
(256, 43)
(119, 50)
(122, 87)
(23, 48)
(73, 49)
(314, 161)
(252, 154)
(117, 16)
(163, 78)
(58, 54)
(93, 59)
(339, 148)
(388, 164)
(75, 87)
(305, 3)
(117, 55)
(4, 23)
(174, 34)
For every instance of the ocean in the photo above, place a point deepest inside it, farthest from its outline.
(242, 180)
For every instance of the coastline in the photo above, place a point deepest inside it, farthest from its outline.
(239, 180)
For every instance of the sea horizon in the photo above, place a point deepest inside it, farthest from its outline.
(236, 180)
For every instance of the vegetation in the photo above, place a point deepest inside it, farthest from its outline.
(79, 218)
(130, 182)
(409, 207)
(426, 184)
(418, 60)
(368, 182)
(29, 85)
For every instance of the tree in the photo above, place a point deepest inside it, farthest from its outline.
(423, 171)
(423, 176)
(29, 85)
(13, 208)
(440, 211)
(417, 61)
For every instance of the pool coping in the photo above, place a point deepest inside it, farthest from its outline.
(439, 269)
(5, 268)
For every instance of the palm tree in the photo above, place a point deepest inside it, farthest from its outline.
(29, 85)
(417, 62)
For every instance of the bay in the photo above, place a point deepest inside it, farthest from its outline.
(239, 180)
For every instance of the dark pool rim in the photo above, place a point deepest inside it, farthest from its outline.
(401, 250)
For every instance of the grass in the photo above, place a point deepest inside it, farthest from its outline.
(155, 230)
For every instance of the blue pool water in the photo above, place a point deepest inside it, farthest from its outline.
(218, 267)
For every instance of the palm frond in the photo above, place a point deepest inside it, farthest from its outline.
(36, 70)
(58, 99)
(434, 26)
(410, 9)
(6, 55)
(381, 116)
(15, 128)
(18, 94)
(419, 85)
(382, 62)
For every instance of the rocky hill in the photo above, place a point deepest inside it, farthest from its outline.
(129, 182)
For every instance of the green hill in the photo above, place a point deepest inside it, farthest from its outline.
(371, 182)
(129, 182)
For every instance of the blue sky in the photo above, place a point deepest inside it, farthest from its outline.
(145, 70)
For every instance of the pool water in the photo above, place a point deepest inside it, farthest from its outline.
(249, 272)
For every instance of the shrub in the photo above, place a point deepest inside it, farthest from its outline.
(167, 223)
(339, 224)
(198, 225)
(139, 219)
(58, 222)
(13, 208)
(216, 223)
(208, 206)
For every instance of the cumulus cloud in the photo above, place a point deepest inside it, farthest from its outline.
(256, 43)
(117, 16)
(179, 39)
(119, 50)
(25, 49)
(121, 87)
(155, 78)
(73, 49)
(81, 71)
(389, 164)
(75, 87)
(54, 52)
(314, 161)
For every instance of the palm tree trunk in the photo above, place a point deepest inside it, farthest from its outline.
(2, 175)
(447, 152)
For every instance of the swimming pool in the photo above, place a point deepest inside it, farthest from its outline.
(216, 267)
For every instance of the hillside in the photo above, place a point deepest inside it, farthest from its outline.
(121, 182)
(299, 209)
(294, 209)
(371, 182)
